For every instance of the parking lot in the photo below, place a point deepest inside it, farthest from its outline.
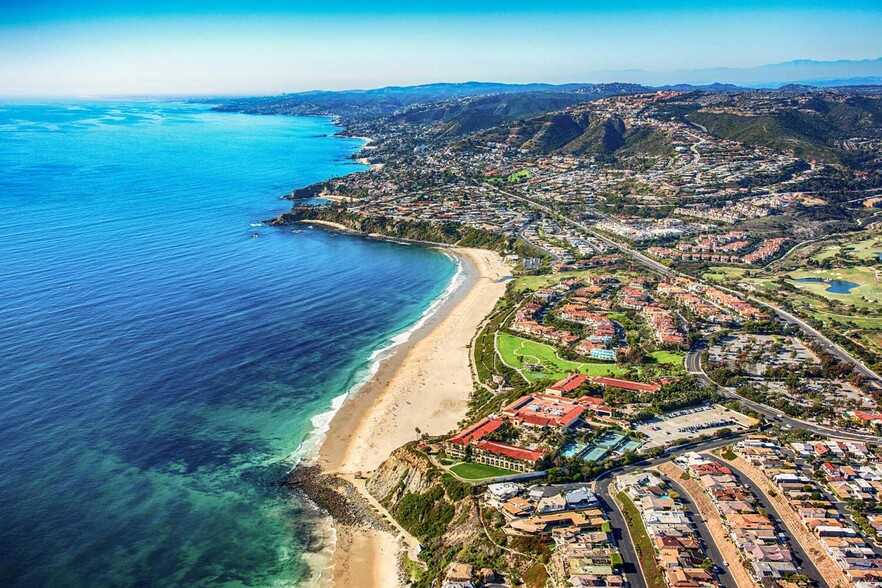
(689, 423)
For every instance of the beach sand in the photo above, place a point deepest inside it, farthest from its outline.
(365, 557)
(425, 384)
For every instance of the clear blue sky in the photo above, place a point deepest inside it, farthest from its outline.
(199, 46)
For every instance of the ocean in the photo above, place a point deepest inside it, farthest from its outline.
(166, 358)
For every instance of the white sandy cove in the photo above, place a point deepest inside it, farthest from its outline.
(429, 389)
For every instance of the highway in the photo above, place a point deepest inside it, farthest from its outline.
(694, 367)
(639, 257)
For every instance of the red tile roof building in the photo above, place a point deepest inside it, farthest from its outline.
(476, 432)
(492, 453)
(568, 384)
(506, 456)
(539, 410)
(626, 384)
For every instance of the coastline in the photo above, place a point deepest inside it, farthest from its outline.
(364, 160)
(426, 382)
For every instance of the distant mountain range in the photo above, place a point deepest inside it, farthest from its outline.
(795, 75)
(379, 101)
(843, 72)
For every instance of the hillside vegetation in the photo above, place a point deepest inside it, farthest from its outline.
(816, 130)
(579, 133)
(444, 233)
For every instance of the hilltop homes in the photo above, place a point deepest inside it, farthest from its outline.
(585, 553)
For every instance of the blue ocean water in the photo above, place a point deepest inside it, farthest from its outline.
(160, 367)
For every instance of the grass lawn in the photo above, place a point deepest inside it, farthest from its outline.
(871, 321)
(720, 273)
(517, 351)
(477, 471)
(865, 250)
(866, 278)
(537, 282)
(669, 357)
(518, 176)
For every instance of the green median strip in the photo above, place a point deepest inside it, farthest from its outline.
(642, 543)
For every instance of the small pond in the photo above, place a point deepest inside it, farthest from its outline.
(834, 286)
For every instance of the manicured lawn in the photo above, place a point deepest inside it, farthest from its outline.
(537, 282)
(720, 273)
(477, 471)
(517, 351)
(518, 176)
(870, 321)
(864, 276)
(669, 357)
(865, 250)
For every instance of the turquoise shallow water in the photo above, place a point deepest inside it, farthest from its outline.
(160, 366)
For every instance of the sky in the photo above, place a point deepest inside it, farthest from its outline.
(70, 47)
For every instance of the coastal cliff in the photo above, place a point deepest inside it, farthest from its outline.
(444, 233)
(444, 515)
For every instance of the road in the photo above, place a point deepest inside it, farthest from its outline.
(642, 259)
(617, 520)
(693, 366)
(808, 567)
(632, 570)
(707, 540)
(522, 238)
(664, 270)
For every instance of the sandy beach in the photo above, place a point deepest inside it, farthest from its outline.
(367, 147)
(425, 384)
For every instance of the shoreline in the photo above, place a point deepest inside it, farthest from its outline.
(426, 382)
(366, 146)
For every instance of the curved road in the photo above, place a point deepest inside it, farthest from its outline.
(664, 270)
(710, 547)
(803, 559)
(693, 366)
(601, 487)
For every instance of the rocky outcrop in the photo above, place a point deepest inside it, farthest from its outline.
(407, 470)
(338, 497)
